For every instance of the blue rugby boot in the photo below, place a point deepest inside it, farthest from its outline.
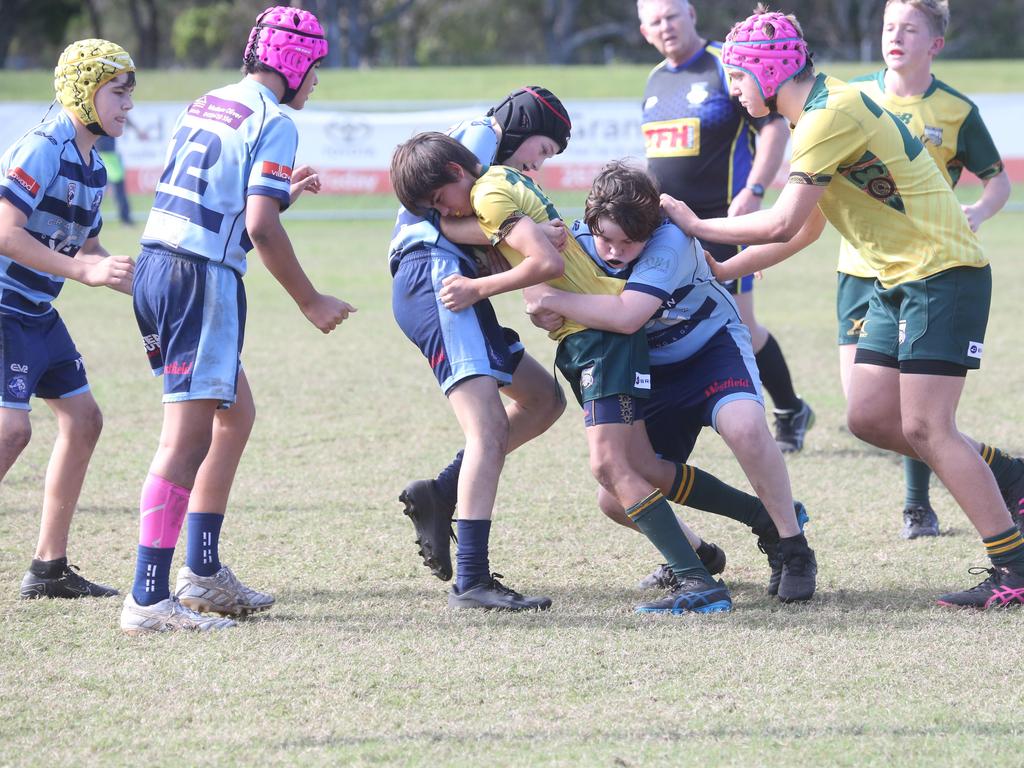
(692, 595)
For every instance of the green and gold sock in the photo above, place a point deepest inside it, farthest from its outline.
(1006, 550)
(1005, 468)
(655, 518)
(696, 488)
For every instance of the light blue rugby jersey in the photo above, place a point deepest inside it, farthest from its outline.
(45, 177)
(233, 142)
(694, 306)
(413, 232)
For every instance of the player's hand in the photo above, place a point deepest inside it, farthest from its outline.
(113, 271)
(490, 261)
(305, 179)
(720, 269)
(974, 218)
(459, 292)
(679, 212)
(556, 233)
(534, 296)
(327, 312)
(745, 202)
(547, 320)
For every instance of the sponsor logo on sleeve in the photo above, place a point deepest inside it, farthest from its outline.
(276, 171)
(20, 177)
(974, 349)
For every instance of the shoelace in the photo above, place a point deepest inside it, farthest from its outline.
(917, 515)
(73, 576)
(499, 587)
(994, 577)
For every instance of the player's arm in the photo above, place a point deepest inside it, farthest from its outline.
(93, 253)
(994, 196)
(777, 224)
(17, 244)
(541, 262)
(625, 313)
(757, 258)
(469, 232)
(304, 179)
(263, 223)
(771, 145)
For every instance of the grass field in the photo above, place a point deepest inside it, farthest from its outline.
(360, 663)
(462, 83)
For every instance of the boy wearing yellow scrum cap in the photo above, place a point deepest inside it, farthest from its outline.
(51, 184)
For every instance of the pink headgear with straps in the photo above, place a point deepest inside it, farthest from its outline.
(289, 41)
(769, 47)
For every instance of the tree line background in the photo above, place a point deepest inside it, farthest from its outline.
(368, 33)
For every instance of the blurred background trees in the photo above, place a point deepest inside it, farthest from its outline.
(365, 33)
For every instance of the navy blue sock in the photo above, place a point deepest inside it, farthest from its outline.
(201, 554)
(473, 566)
(447, 482)
(152, 575)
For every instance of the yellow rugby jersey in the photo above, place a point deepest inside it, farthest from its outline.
(883, 191)
(501, 197)
(951, 129)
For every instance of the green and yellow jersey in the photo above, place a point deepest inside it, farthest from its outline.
(951, 129)
(883, 191)
(501, 197)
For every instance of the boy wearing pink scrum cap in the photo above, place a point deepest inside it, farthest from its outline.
(227, 177)
(859, 167)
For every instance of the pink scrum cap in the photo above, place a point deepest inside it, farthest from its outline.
(767, 46)
(289, 41)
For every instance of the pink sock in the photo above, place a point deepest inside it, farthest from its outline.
(162, 512)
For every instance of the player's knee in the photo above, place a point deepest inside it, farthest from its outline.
(554, 407)
(490, 438)
(920, 433)
(745, 432)
(16, 437)
(86, 428)
(863, 425)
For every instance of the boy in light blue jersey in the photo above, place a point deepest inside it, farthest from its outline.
(471, 354)
(703, 371)
(227, 178)
(51, 185)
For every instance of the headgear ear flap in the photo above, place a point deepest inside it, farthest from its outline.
(530, 111)
(82, 69)
(288, 41)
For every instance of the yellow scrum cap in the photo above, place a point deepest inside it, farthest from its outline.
(83, 67)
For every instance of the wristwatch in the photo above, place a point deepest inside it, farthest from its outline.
(756, 189)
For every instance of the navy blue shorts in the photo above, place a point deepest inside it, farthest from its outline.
(38, 357)
(457, 345)
(191, 313)
(686, 396)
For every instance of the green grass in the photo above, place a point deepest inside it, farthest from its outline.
(487, 83)
(360, 663)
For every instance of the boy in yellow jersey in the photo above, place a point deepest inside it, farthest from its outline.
(951, 129)
(861, 168)
(609, 372)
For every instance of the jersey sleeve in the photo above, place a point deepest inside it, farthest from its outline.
(30, 169)
(976, 148)
(823, 140)
(666, 263)
(272, 161)
(479, 137)
(497, 207)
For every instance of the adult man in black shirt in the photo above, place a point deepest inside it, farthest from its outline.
(700, 145)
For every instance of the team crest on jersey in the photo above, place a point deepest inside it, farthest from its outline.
(651, 101)
(933, 135)
(20, 177)
(872, 176)
(698, 93)
(72, 188)
(276, 171)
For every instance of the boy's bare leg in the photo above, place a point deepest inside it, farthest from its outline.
(79, 423)
(614, 510)
(536, 403)
(912, 413)
(742, 425)
(185, 439)
(485, 424)
(15, 433)
(231, 429)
